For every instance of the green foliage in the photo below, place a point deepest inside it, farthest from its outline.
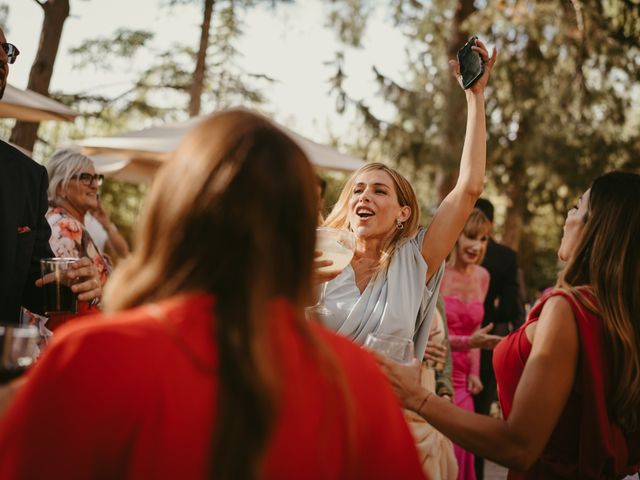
(160, 93)
(99, 52)
(349, 19)
(123, 202)
(560, 105)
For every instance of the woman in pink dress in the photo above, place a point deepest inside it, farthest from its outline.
(464, 287)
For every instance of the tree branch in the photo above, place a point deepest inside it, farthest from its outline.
(42, 4)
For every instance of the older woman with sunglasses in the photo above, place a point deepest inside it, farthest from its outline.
(73, 191)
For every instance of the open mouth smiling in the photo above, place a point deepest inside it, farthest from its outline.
(364, 212)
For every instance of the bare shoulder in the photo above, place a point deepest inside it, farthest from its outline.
(557, 323)
(557, 306)
(481, 272)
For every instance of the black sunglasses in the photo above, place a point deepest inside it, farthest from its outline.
(87, 179)
(11, 50)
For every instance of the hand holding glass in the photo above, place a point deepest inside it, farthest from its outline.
(58, 296)
(396, 348)
(338, 247)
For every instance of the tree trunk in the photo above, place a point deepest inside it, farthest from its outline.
(199, 74)
(517, 191)
(24, 134)
(517, 204)
(456, 107)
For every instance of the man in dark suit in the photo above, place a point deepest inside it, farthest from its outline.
(24, 231)
(502, 307)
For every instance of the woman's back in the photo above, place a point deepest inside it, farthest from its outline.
(140, 402)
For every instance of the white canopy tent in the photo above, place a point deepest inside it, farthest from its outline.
(32, 107)
(135, 156)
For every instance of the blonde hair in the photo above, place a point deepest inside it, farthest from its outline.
(477, 224)
(607, 259)
(338, 218)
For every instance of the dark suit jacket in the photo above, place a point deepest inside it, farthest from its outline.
(502, 264)
(24, 232)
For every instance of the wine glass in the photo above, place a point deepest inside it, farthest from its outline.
(18, 350)
(335, 245)
(391, 346)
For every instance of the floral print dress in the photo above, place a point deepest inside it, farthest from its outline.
(69, 238)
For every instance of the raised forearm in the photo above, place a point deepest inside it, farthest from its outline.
(474, 152)
(117, 241)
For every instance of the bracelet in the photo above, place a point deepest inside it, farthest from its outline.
(424, 402)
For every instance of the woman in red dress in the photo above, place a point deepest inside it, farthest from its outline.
(206, 366)
(568, 379)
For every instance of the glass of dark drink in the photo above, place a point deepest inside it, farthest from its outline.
(18, 350)
(58, 296)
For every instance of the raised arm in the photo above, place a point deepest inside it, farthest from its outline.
(455, 208)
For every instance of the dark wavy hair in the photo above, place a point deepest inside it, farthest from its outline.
(607, 258)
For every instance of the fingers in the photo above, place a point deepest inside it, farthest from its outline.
(435, 352)
(455, 69)
(82, 262)
(433, 332)
(88, 285)
(487, 60)
(88, 289)
(317, 264)
(486, 329)
(321, 277)
(476, 389)
(48, 278)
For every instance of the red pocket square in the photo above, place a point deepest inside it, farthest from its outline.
(24, 229)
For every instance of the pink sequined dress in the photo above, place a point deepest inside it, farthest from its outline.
(463, 319)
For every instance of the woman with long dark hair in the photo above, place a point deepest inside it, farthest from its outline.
(206, 366)
(569, 378)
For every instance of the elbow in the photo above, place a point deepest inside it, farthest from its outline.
(470, 192)
(470, 187)
(521, 464)
(474, 191)
(520, 458)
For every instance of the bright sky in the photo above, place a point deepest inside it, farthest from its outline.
(291, 45)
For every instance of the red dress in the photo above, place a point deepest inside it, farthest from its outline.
(134, 396)
(585, 444)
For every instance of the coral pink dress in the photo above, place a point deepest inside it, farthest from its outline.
(134, 396)
(464, 316)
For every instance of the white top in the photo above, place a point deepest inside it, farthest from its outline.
(98, 234)
(396, 302)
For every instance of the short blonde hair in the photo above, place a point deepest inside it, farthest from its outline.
(477, 224)
(62, 165)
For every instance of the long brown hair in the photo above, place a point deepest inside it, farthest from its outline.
(338, 218)
(607, 258)
(236, 191)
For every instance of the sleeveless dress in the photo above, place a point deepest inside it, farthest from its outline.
(585, 444)
(463, 319)
(395, 302)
